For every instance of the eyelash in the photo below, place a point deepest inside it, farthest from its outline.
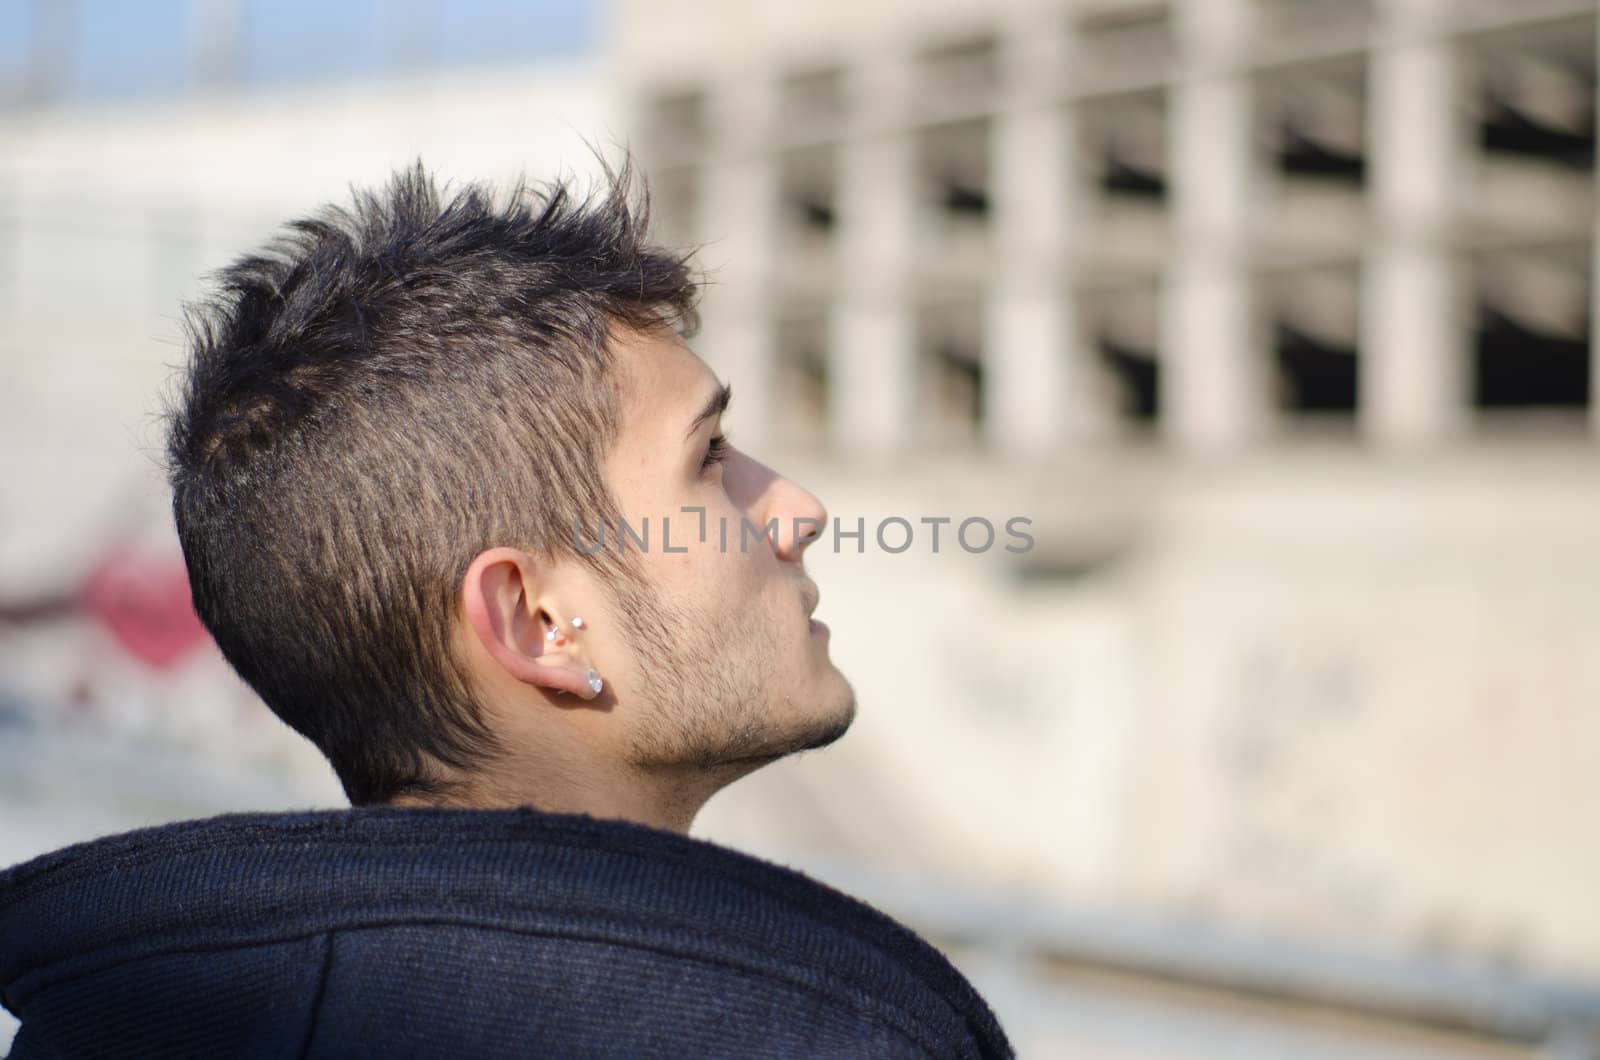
(716, 452)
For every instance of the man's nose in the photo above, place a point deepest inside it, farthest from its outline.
(801, 519)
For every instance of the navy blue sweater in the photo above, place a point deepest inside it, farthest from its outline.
(392, 932)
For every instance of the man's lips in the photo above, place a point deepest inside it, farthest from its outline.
(813, 597)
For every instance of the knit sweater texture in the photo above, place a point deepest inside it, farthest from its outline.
(430, 932)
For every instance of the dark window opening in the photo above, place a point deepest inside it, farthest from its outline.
(1317, 376)
(1124, 177)
(1138, 375)
(1313, 329)
(955, 162)
(1509, 130)
(1121, 324)
(964, 199)
(1530, 348)
(960, 384)
(807, 187)
(1537, 93)
(815, 212)
(950, 338)
(1315, 118)
(1302, 155)
(1517, 366)
(1126, 140)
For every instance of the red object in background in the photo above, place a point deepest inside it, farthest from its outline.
(145, 602)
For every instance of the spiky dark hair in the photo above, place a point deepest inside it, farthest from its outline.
(383, 392)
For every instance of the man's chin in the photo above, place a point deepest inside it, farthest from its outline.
(835, 727)
(819, 733)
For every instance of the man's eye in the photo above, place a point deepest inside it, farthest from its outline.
(716, 451)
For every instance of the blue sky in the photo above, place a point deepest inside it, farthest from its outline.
(144, 47)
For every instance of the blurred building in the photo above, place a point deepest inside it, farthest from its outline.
(1272, 317)
(1221, 223)
(1276, 314)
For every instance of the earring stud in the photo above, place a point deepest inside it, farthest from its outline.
(593, 676)
(555, 628)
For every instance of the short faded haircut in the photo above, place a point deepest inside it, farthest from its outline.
(381, 393)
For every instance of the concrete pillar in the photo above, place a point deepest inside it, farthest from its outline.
(738, 227)
(1214, 393)
(1413, 337)
(1037, 369)
(873, 371)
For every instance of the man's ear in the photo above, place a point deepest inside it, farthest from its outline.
(500, 599)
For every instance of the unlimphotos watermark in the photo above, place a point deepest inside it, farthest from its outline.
(894, 534)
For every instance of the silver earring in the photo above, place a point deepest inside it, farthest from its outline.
(555, 628)
(595, 683)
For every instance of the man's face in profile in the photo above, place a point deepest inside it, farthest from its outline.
(721, 662)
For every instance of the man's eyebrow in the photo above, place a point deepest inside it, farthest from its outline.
(717, 405)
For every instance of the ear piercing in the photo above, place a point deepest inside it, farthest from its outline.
(595, 683)
(555, 628)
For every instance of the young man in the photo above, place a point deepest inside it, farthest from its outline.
(402, 435)
(456, 500)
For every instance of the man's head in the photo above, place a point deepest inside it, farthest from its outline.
(404, 429)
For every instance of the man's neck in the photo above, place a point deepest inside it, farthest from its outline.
(670, 803)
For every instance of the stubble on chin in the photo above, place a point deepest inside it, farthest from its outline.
(711, 689)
